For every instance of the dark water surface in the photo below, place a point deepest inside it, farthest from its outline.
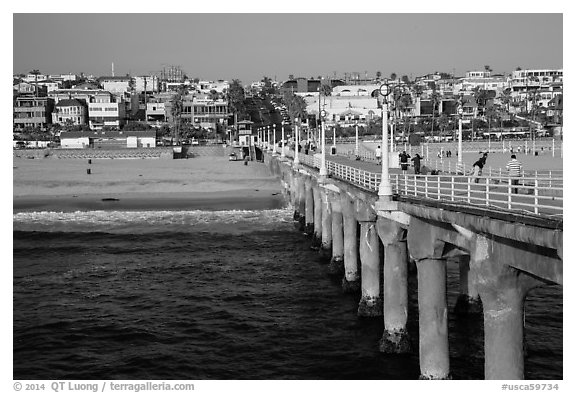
(215, 295)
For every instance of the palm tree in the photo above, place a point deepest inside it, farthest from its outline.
(295, 105)
(35, 73)
(236, 98)
(435, 99)
(506, 98)
(176, 108)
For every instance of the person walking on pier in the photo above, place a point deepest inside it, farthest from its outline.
(404, 161)
(379, 155)
(417, 160)
(514, 168)
(477, 167)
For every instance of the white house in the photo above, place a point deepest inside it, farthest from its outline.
(102, 114)
(115, 84)
(344, 110)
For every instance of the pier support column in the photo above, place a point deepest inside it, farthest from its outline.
(317, 237)
(371, 301)
(395, 338)
(428, 252)
(326, 246)
(336, 266)
(297, 200)
(301, 200)
(468, 301)
(503, 290)
(351, 280)
(309, 228)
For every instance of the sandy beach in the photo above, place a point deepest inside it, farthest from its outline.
(212, 183)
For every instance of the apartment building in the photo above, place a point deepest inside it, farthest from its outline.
(70, 111)
(146, 83)
(115, 84)
(344, 110)
(112, 114)
(85, 93)
(35, 112)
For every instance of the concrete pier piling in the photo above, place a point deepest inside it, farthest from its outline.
(503, 290)
(326, 246)
(336, 266)
(351, 279)
(427, 248)
(301, 200)
(309, 207)
(468, 301)
(395, 338)
(317, 237)
(433, 319)
(371, 301)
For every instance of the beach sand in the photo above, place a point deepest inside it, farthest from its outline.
(203, 183)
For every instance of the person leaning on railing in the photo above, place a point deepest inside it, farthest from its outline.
(514, 168)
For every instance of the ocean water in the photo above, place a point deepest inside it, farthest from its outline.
(216, 295)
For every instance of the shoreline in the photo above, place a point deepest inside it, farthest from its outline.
(208, 201)
(203, 183)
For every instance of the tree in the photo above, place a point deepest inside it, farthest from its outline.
(136, 126)
(378, 75)
(491, 114)
(506, 98)
(295, 106)
(269, 88)
(393, 76)
(236, 98)
(443, 122)
(176, 108)
(325, 90)
(405, 79)
(35, 73)
(214, 95)
(435, 100)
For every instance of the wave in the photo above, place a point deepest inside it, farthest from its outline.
(225, 221)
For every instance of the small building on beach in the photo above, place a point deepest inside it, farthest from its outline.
(107, 139)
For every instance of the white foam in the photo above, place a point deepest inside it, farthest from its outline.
(152, 221)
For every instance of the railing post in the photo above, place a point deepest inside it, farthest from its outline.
(536, 196)
(452, 188)
(426, 186)
(468, 188)
(487, 191)
(438, 185)
(509, 193)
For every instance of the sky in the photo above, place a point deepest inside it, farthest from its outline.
(249, 46)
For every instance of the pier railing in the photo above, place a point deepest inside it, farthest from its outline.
(540, 195)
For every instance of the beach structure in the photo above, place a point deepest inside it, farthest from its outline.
(502, 252)
(107, 139)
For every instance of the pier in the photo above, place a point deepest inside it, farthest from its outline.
(505, 244)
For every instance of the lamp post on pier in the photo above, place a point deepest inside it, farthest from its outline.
(460, 112)
(323, 171)
(357, 150)
(283, 154)
(297, 143)
(385, 188)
